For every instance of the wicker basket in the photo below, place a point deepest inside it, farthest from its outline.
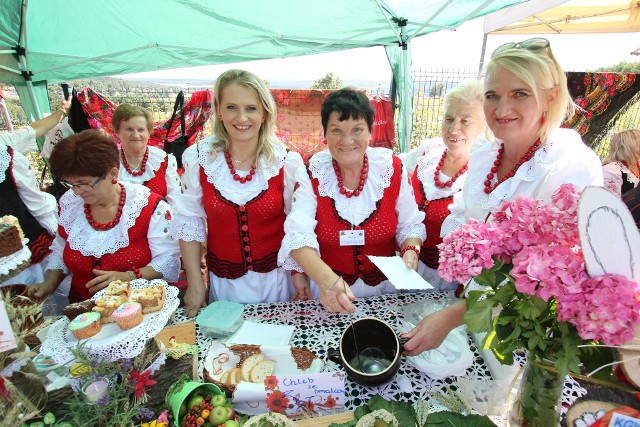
(302, 356)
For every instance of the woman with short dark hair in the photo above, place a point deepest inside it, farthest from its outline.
(108, 230)
(352, 201)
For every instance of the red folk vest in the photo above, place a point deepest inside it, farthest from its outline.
(351, 262)
(247, 237)
(136, 255)
(158, 184)
(435, 213)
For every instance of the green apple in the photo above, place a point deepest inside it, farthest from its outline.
(218, 415)
(195, 400)
(231, 412)
(231, 423)
(218, 400)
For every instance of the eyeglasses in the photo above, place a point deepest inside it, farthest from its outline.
(81, 187)
(533, 45)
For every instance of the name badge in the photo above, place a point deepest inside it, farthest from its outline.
(351, 237)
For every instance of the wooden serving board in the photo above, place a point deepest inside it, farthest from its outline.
(184, 333)
(326, 420)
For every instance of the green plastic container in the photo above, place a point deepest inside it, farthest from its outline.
(176, 396)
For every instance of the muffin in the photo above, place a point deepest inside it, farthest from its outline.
(85, 325)
(128, 315)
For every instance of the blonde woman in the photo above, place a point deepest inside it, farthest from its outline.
(621, 167)
(236, 191)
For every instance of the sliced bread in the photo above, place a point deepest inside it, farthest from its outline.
(261, 370)
(224, 378)
(248, 365)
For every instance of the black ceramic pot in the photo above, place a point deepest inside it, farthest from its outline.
(380, 351)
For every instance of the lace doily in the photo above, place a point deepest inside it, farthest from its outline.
(154, 161)
(113, 343)
(5, 160)
(82, 237)
(11, 262)
(379, 178)
(217, 171)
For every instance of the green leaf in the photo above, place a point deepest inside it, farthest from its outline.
(403, 411)
(595, 357)
(448, 419)
(478, 315)
(362, 411)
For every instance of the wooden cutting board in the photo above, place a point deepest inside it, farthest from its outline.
(326, 420)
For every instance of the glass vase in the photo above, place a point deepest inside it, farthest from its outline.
(537, 403)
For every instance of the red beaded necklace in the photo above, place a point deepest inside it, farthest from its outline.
(436, 174)
(108, 226)
(143, 165)
(363, 178)
(233, 172)
(488, 188)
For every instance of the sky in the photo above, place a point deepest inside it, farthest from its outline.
(443, 49)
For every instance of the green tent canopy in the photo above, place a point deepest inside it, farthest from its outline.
(54, 40)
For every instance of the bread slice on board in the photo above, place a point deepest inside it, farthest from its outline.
(248, 365)
(262, 370)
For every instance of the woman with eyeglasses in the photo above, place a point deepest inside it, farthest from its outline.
(236, 192)
(440, 168)
(108, 230)
(621, 168)
(139, 162)
(352, 201)
(525, 101)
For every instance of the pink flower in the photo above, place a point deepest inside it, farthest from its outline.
(607, 309)
(467, 251)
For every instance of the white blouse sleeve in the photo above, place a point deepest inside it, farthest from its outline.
(189, 221)
(165, 252)
(612, 175)
(55, 260)
(22, 140)
(410, 219)
(456, 218)
(292, 162)
(42, 205)
(172, 178)
(300, 223)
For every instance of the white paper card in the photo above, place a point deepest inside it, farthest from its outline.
(7, 339)
(262, 333)
(351, 237)
(397, 272)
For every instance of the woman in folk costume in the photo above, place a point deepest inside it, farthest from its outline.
(236, 191)
(621, 167)
(353, 200)
(139, 162)
(441, 168)
(108, 230)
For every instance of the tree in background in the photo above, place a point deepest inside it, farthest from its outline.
(438, 89)
(327, 82)
(622, 67)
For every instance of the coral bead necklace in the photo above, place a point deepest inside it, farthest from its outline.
(436, 174)
(233, 172)
(488, 187)
(108, 226)
(363, 178)
(142, 166)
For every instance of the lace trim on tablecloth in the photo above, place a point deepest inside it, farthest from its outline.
(11, 262)
(124, 345)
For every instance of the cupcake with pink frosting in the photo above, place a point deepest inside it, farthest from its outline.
(128, 315)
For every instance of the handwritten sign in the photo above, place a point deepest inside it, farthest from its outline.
(7, 340)
(308, 394)
(620, 420)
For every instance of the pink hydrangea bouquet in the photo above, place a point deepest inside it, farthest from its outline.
(534, 292)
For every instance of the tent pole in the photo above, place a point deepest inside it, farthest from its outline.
(21, 50)
(404, 148)
(482, 53)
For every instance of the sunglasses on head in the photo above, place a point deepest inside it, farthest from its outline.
(533, 45)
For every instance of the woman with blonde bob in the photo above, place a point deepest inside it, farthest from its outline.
(236, 192)
(622, 165)
(525, 101)
(139, 162)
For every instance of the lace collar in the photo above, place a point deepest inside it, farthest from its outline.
(154, 161)
(427, 164)
(217, 172)
(82, 237)
(379, 178)
(631, 177)
(561, 144)
(5, 160)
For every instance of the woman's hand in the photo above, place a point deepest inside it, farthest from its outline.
(103, 279)
(301, 286)
(194, 298)
(337, 297)
(41, 291)
(410, 259)
(434, 328)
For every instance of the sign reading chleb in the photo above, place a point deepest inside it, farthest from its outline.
(307, 394)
